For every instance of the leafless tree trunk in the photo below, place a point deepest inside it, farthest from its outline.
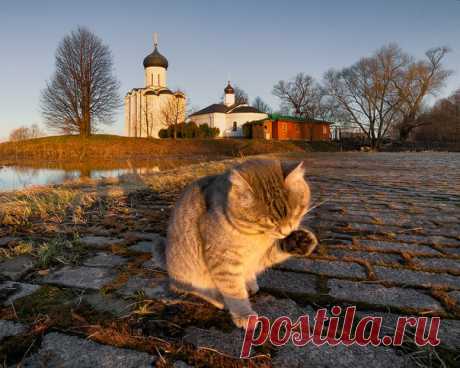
(442, 122)
(23, 133)
(260, 105)
(241, 97)
(300, 96)
(386, 91)
(365, 91)
(83, 92)
(173, 112)
(148, 118)
(414, 83)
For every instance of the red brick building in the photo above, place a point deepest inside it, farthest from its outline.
(288, 128)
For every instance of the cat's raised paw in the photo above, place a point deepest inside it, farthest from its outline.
(300, 243)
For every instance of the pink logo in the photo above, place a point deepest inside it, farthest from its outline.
(367, 330)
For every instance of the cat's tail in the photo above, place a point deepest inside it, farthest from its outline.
(159, 253)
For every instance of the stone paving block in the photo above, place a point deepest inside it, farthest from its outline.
(108, 303)
(228, 343)
(80, 277)
(4, 241)
(440, 240)
(142, 247)
(156, 248)
(181, 364)
(340, 356)
(11, 328)
(440, 263)
(10, 291)
(416, 278)
(60, 350)
(374, 229)
(136, 283)
(15, 268)
(451, 251)
(100, 241)
(373, 257)
(272, 308)
(378, 295)
(157, 288)
(323, 267)
(288, 282)
(154, 264)
(397, 247)
(103, 259)
(146, 236)
(456, 296)
(389, 320)
(449, 334)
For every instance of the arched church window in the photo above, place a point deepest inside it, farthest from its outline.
(158, 79)
(235, 126)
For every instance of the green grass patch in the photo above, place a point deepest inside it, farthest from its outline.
(61, 251)
(50, 301)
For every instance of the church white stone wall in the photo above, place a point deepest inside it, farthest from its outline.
(155, 76)
(228, 116)
(144, 107)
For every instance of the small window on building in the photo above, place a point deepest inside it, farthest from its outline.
(235, 126)
(152, 80)
(158, 79)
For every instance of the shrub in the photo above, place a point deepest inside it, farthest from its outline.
(189, 130)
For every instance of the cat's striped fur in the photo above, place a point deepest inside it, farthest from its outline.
(224, 230)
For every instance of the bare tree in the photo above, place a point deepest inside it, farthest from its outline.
(83, 92)
(366, 93)
(173, 112)
(299, 96)
(241, 97)
(442, 122)
(414, 83)
(260, 105)
(148, 115)
(387, 90)
(23, 133)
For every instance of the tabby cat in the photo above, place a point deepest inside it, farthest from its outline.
(226, 229)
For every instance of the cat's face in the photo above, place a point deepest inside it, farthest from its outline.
(263, 201)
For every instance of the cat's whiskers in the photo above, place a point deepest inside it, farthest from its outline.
(317, 205)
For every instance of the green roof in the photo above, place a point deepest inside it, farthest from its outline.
(293, 118)
(289, 118)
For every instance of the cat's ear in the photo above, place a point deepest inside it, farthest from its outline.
(241, 189)
(296, 176)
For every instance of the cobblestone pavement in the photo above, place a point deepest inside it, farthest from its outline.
(389, 235)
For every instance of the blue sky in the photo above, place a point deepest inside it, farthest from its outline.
(257, 43)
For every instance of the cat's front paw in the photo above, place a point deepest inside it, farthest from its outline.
(242, 321)
(252, 287)
(299, 243)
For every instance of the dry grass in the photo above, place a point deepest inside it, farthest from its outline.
(22, 248)
(70, 202)
(109, 148)
(47, 204)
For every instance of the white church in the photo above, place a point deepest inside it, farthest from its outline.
(228, 116)
(144, 107)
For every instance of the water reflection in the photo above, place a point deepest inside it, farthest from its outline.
(21, 176)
